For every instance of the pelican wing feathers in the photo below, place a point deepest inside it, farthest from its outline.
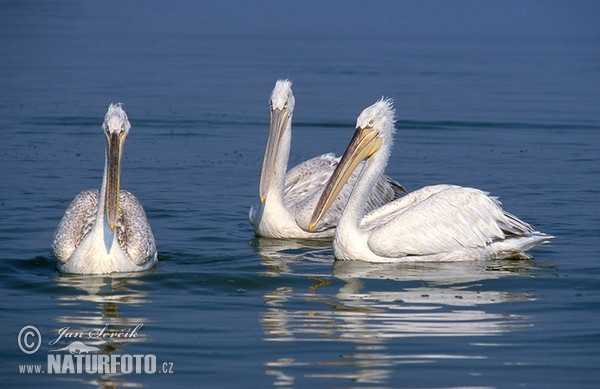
(443, 218)
(75, 225)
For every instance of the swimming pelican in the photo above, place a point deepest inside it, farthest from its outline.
(435, 223)
(106, 231)
(287, 200)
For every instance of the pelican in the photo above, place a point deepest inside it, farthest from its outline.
(106, 231)
(287, 200)
(435, 223)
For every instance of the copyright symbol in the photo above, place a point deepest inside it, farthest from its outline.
(29, 339)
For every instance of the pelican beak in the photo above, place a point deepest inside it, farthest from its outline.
(279, 119)
(363, 145)
(114, 153)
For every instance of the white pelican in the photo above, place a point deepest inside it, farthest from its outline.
(106, 231)
(435, 223)
(287, 200)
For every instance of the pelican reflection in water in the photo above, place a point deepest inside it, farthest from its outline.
(366, 307)
(435, 223)
(287, 199)
(106, 231)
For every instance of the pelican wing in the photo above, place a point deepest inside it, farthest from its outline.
(308, 178)
(134, 232)
(76, 224)
(387, 212)
(438, 219)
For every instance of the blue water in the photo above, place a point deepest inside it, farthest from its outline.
(502, 96)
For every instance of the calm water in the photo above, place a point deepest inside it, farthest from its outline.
(500, 96)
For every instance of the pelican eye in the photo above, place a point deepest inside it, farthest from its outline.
(371, 122)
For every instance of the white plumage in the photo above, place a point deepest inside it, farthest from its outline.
(106, 231)
(435, 223)
(288, 199)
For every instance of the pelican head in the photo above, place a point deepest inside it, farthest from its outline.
(373, 125)
(282, 97)
(116, 127)
(380, 116)
(282, 107)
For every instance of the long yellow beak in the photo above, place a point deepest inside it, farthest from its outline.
(113, 180)
(279, 119)
(364, 144)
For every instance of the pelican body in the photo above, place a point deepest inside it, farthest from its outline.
(288, 199)
(435, 223)
(106, 231)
